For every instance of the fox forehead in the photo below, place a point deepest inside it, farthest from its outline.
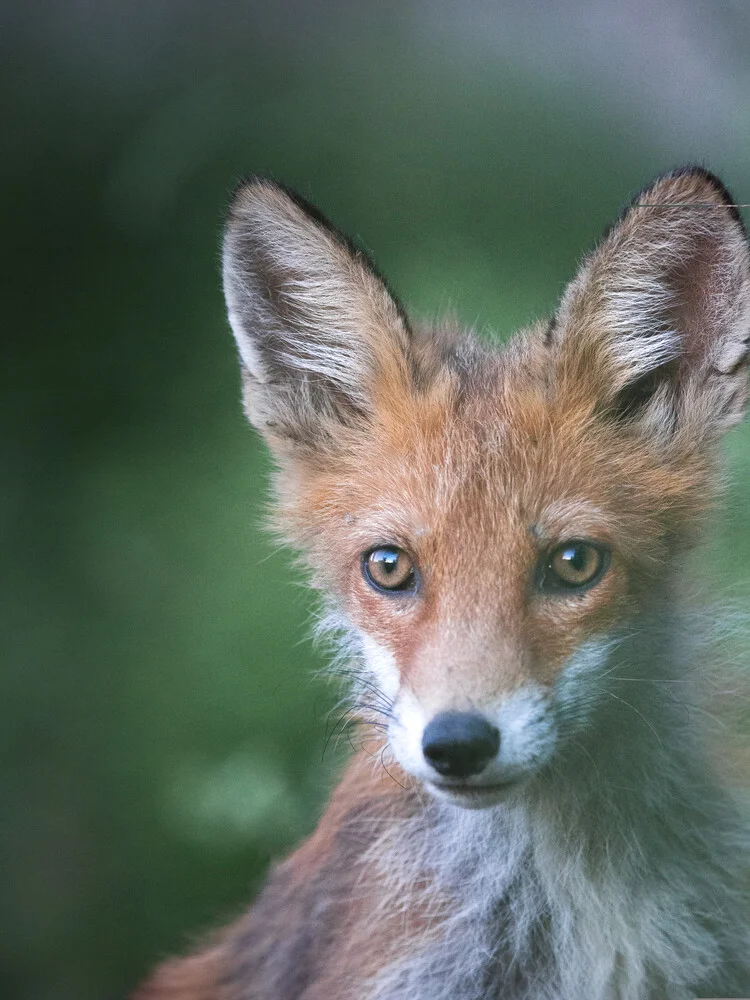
(493, 457)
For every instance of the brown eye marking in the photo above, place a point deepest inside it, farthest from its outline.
(574, 565)
(389, 569)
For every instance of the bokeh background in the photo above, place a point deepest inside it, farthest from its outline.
(161, 732)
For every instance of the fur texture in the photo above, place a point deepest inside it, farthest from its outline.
(598, 856)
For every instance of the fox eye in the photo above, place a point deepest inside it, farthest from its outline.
(574, 565)
(389, 568)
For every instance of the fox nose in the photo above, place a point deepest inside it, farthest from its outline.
(459, 744)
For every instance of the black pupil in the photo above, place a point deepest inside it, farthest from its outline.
(387, 558)
(575, 557)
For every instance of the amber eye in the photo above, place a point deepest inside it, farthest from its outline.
(575, 565)
(389, 568)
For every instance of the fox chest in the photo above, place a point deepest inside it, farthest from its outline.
(514, 953)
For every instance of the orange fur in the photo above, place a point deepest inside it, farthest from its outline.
(478, 463)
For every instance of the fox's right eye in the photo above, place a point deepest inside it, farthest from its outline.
(388, 568)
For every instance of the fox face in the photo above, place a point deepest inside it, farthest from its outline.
(496, 527)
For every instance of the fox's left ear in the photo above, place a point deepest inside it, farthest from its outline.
(656, 325)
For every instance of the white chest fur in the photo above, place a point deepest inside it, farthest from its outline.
(549, 906)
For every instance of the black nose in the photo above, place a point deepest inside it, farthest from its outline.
(459, 744)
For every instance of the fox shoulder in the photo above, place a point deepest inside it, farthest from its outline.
(297, 939)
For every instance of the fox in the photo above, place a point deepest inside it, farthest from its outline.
(502, 535)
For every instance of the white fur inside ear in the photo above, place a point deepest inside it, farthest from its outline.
(249, 355)
(641, 343)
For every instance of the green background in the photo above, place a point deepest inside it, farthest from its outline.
(162, 734)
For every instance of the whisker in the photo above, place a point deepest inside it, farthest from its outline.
(385, 767)
(637, 712)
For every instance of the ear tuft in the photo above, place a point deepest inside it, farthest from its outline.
(316, 328)
(659, 315)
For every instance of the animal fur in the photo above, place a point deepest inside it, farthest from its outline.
(616, 866)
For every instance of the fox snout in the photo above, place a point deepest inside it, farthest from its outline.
(473, 753)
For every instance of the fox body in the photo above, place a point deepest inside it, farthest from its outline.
(501, 538)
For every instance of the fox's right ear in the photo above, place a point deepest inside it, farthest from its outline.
(322, 342)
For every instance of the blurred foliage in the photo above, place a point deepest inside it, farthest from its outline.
(163, 732)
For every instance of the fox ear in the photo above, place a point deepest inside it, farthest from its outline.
(657, 322)
(320, 338)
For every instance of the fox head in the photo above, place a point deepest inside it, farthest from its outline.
(498, 527)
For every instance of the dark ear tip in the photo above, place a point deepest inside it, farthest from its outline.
(687, 172)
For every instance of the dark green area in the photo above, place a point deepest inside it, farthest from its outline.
(162, 733)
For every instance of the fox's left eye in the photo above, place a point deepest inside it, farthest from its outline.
(574, 565)
(389, 568)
